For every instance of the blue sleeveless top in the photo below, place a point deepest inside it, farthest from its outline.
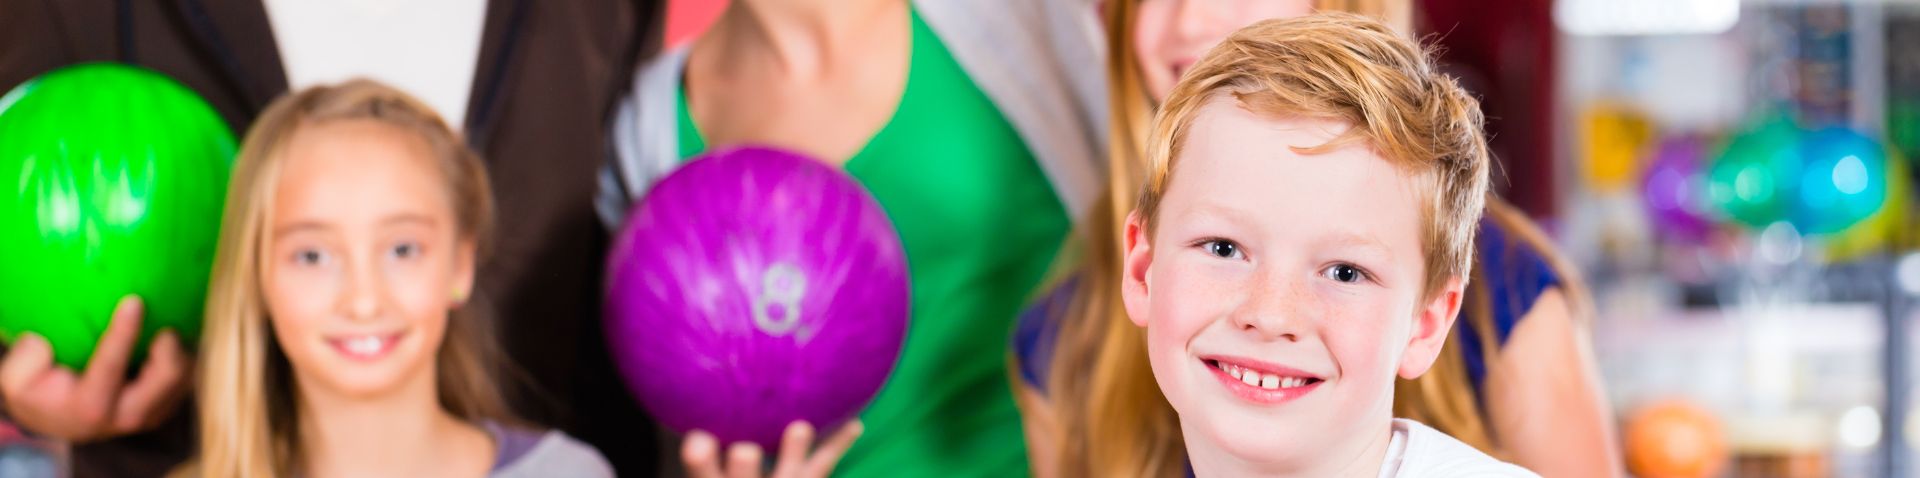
(1038, 329)
(1513, 274)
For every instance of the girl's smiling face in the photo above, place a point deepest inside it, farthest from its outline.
(364, 259)
(1169, 35)
(1282, 294)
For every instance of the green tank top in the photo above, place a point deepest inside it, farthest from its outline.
(981, 225)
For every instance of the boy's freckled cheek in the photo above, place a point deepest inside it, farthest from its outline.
(1364, 342)
(1181, 298)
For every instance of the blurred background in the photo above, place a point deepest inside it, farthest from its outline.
(1734, 179)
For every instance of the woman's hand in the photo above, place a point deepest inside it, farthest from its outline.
(701, 453)
(100, 402)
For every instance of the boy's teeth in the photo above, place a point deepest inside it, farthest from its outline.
(1257, 379)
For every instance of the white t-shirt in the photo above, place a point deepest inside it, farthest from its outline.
(428, 48)
(1419, 451)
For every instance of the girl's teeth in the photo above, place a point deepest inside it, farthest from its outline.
(1269, 382)
(365, 345)
(1251, 378)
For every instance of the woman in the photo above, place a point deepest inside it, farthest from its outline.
(964, 118)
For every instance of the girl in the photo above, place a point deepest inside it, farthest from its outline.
(1515, 380)
(338, 341)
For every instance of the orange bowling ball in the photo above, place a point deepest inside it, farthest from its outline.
(1675, 439)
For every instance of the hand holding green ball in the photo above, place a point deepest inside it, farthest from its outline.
(114, 178)
(100, 402)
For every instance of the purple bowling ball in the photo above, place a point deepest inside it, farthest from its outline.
(1675, 190)
(754, 287)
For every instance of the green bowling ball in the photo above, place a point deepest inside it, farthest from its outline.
(112, 180)
(1753, 180)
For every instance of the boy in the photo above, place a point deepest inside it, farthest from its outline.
(1312, 247)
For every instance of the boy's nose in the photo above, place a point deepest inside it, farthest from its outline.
(1274, 307)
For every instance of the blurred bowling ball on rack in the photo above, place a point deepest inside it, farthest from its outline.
(1843, 180)
(1752, 180)
(1675, 439)
(1674, 189)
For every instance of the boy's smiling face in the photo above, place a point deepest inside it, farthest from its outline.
(1282, 294)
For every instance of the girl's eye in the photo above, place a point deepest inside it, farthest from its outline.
(309, 257)
(406, 250)
(1344, 273)
(1222, 248)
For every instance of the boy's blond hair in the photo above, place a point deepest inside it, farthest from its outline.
(1356, 70)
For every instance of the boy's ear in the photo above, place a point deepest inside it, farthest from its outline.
(1136, 257)
(463, 272)
(1430, 326)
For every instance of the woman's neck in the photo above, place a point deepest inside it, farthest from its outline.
(403, 433)
(800, 38)
(1361, 459)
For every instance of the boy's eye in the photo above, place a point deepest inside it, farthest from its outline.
(1222, 248)
(1344, 273)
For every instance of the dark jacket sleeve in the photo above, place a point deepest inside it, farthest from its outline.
(29, 42)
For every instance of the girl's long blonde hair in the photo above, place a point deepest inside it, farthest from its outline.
(1445, 398)
(245, 393)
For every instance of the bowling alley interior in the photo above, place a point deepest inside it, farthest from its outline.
(1733, 184)
(1745, 325)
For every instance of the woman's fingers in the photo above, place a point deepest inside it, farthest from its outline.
(793, 449)
(743, 460)
(828, 454)
(746, 459)
(701, 454)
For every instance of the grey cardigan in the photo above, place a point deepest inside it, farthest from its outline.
(530, 454)
(1039, 61)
